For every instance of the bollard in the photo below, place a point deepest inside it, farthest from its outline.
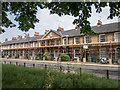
(5, 62)
(60, 68)
(16, 63)
(80, 71)
(45, 66)
(107, 74)
(24, 64)
(68, 69)
(10, 62)
(33, 65)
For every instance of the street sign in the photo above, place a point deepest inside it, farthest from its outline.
(85, 46)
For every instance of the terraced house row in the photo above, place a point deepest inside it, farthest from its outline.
(104, 44)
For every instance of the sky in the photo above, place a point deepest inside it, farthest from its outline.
(52, 21)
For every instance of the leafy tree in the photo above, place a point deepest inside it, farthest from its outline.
(25, 12)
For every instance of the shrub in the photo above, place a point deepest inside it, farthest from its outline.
(3, 56)
(64, 57)
(46, 54)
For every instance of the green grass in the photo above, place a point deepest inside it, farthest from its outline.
(26, 77)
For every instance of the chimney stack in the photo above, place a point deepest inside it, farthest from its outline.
(99, 23)
(77, 27)
(27, 35)
(19, 37)
(60, 29)
(46, 31)
(6, 39)
(14, 38)
(36, 33)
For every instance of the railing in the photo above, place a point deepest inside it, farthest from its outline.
(67, 68)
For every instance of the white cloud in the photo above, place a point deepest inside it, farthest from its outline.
(48, 22)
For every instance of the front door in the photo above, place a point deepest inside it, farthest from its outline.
(117, 53)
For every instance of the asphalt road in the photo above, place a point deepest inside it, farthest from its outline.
(114, 72)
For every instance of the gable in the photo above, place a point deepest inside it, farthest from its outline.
(50, 34)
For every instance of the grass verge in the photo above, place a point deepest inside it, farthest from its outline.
(28, 77)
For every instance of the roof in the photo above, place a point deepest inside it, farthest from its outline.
(112, 27)
(28, 39)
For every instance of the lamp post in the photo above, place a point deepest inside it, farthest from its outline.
(28, 48)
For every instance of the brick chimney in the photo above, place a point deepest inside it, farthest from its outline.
(46, 31)
(77, 26)
(99, 23)
(36, 33)
(14, 38)
(19, 37)
(6, 39)
(27, 35)
(60, 29)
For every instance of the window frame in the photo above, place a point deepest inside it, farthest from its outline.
(100, 37)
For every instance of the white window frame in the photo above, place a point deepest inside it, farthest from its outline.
(63, 41)
(33, 44)
(55, 53)
(15, 45)
(100, 38)
(75, 40)
(116, 35)
(39, 44)
(23, 45)
(12, 45)
(51, 34)
(74, 53)
(19, 45)
(100, 56)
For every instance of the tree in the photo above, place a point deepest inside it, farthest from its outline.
(25, 12)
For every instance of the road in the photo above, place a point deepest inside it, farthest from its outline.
(95, 69)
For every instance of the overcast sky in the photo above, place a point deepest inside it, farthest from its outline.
(48, 22)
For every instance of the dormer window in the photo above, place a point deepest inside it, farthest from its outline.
(102, 38)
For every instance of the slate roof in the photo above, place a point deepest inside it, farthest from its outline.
(30, 39)
(113, 27)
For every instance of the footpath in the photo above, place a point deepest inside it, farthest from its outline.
(70, 62)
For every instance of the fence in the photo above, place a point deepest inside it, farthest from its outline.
(67, 68)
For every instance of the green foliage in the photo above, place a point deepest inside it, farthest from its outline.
(3, 56)
(46, 54)
(27, 77)
(25, 13)
(64, 57)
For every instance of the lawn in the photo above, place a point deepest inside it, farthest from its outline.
(28, 77)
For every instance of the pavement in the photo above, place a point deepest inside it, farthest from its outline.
(71, 62)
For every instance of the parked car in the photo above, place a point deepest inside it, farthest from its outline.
(104, 61)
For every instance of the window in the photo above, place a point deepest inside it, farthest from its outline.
(55, 53)
(76, 40)
(87, 39)
(23, 45)
(19, 45)
(102, 53)
(57, 42)
(33, 44)
(39, 44)
(76, 53)
(116, 37)
(15, 45)
(102, 38)
(64, 41)
(51, 34)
